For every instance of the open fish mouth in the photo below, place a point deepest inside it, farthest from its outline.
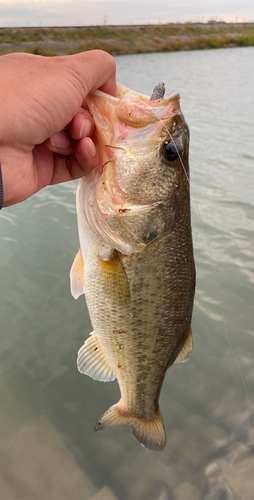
(130, 129)
(131, 108)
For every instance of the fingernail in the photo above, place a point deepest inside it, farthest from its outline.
(85, 128)
(60, 140)
(91, 149)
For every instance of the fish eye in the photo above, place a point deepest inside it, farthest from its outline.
(171, 150)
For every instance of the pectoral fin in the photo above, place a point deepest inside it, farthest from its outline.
(93, 362)
(113, 276)
(77, 276)
(185, 352)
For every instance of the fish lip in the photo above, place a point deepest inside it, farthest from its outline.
(153, 104)
(99, 93)
(173, 96)
(132, 109)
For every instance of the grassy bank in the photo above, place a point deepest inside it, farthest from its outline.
(126, 39)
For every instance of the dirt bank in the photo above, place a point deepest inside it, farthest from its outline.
(126, 39)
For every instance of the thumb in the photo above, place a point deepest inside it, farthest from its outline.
(94, 70)
(78, 75)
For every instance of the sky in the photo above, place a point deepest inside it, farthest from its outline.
(98, 12)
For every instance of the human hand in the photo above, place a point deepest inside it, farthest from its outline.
(44, 126)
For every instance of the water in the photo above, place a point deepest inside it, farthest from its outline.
(47, 411)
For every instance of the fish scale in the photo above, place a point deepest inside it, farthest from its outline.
(140, 301)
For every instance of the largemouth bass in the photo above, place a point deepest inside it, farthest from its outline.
(135, 263)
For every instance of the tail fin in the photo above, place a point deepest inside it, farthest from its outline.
(149, 433)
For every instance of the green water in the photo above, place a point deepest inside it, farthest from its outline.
(47, 409)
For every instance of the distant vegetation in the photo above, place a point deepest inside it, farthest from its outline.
(126, 39)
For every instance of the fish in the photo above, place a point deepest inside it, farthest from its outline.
(135, 264)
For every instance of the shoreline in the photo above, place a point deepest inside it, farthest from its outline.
(121, 40)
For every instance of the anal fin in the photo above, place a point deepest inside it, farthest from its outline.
(93, 362)
(185, 352)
